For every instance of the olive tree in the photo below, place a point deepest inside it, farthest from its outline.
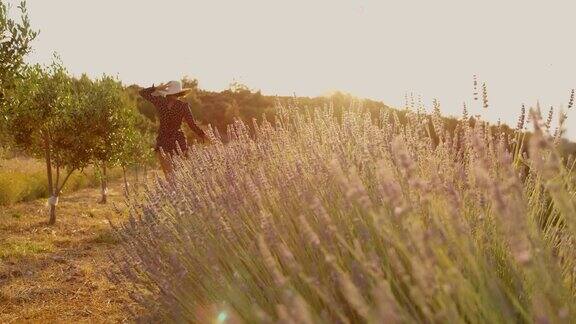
(113, 126)
(137, 152)
(15, 39)
(47, 119)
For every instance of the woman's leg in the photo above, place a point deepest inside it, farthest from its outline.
(166, 165)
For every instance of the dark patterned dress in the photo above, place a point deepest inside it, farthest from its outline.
(171, 113)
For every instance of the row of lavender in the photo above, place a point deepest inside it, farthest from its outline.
(353, 218)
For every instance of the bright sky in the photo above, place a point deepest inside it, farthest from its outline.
(378, 49)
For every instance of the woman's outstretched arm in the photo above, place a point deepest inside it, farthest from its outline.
(146, 93)
(192, 123)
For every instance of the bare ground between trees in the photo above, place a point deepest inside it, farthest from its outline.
(57, 273)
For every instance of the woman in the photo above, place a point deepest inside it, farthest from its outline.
(171, 111)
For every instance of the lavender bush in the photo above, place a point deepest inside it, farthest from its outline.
(360, 218)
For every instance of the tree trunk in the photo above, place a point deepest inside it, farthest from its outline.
(104, 187)
(52, 219)
(126, 188)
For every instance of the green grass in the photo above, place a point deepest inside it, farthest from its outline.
(17, 248)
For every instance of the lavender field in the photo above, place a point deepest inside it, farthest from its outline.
(325, 217)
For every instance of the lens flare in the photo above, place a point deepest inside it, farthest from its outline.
(222, 317)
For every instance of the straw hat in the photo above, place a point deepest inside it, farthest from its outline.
(173, 89)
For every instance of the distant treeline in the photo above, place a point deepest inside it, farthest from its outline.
(220, 109)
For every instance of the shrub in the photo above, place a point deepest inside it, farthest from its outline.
(316, 219)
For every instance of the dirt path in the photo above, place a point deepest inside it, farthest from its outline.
(57, 273)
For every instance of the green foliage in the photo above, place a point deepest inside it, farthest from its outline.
(112, 119)
(136, 149)
(127, 137)
(15, 39)
(72, 123)
(48, 117)
(118, 133)
(45, 110)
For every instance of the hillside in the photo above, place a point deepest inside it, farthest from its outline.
(220, 109)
